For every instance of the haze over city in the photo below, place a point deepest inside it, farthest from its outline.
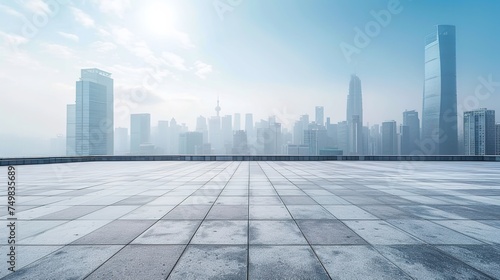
(277, 58)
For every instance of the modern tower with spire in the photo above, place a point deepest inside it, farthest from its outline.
(217, 108)
(355, 117)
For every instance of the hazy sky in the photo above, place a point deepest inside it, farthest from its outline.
(279, 57)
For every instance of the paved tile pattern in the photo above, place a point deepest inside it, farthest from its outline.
(256, 220)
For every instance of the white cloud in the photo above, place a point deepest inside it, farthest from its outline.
(121, 35)
(174, 61)
(183, 39)
(12, 40)
(36, 6)
(10, 11)
(69, 36)
(102, 46)
(116, 7)
(202, 69)
(82, 17)
(58, 50)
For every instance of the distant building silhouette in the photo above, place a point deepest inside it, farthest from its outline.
(343, 136)
(439, 115)
(227, 133)
(320, 115)
(122, 146)
(389, 138)
(479, 132)
(249, 128)
(71, 130)
(201, 126)
(240, 144)
(191, 143)
(411, 120)
(375, 145)
(297, 150)
(316, 140)
(237, 122)
(140, 133)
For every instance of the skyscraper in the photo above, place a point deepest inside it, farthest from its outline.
(411, 120)
(70, 130)
(237, 122)
(320, 116)
(497, 139)
(140, 132)
(94, 113)
(227, 133)
(215, 135)
(162, 141)
(389, 138)
(355, 117)
(201, 126)
(191, 143)
(121, 141)
(342, 137)
(439, 117)
(240, 143)
(315, 139)
(249, 127)
(174, 131)
(479, 132)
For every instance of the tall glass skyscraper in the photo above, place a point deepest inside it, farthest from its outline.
(94, 113)
(355, 117)
(439, 117)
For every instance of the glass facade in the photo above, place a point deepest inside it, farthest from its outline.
(439, 118)
(91, 112)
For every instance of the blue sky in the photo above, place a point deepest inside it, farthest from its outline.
(279, 57)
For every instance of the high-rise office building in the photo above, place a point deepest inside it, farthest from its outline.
(162, 141)
(404, 140)
(237, 122)
(174, 131)
(269, 138)
(343, 137)
(249, 127)
(140, 132)
(389, 138)
(497, 139)
(355, 136)
(316, 140)
(191, 143)
(227, 133)
(355, 117)
(201, 126)
(94, 113)
(439, 116)
(121, 141)
(70, 130)
(479, 132)
(411, 120)
(375, 145)
(320, 115)
(240, 146)
(331, 132)
(215, 135)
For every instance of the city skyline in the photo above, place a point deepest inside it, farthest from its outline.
(198, 65)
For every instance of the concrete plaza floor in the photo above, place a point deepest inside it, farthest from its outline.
(255, 220)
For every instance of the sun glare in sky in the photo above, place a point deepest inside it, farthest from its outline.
(157, 18)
